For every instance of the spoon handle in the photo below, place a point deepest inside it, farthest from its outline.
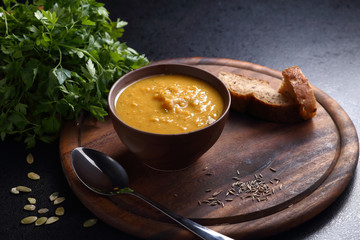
(197, 229)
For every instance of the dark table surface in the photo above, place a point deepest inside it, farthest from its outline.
(322, 37)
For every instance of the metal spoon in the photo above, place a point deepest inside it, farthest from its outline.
(103, 175)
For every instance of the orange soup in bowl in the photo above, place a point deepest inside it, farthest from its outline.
(169, 104)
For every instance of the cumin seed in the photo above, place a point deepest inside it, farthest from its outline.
(272, 169)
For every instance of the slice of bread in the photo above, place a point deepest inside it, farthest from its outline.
(258, 98)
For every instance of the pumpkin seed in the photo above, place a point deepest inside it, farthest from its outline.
(59, 200)
(23, 189)
(29, 207)
(43, 210)
(41, 221)
(90, 222)
(59, 211)
(30, 158)
(54, 196)
(33, 176)
(14, 190)
(28, 220)
(51, 220)
(216, 193)
(31, 200)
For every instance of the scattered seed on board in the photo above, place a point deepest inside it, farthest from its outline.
(59, 211)
(29, 207)
(41, 221)
(14, 190)
(59, 200)
(28, 220)
(272, 169)
(23, 189)
(30, 158)
(277, 180)
(90, 222)
(43, 210)
(51, 220)
(33, 176)
(258, 190)
(31, 200)
(54, 196)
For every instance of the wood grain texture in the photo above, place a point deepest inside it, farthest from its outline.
(314, 160)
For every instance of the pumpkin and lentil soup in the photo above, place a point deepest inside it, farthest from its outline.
(169, 104)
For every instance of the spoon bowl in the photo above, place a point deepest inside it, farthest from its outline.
(103, 175)
(98, 171)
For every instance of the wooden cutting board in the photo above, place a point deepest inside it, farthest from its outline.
(305, 167)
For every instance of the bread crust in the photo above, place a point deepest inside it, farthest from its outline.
(295, 85)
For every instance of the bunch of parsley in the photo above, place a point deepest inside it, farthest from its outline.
(57, 59)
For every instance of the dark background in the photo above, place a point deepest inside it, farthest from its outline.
(322, 37)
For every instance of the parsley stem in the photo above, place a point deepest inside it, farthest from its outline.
(60, 58)
(6, 23)
(86, 53)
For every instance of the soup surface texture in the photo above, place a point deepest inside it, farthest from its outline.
(169, 104)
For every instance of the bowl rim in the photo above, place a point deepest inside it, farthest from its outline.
(111, 104)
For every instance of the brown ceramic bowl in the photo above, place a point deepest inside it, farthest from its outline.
(168, 151)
